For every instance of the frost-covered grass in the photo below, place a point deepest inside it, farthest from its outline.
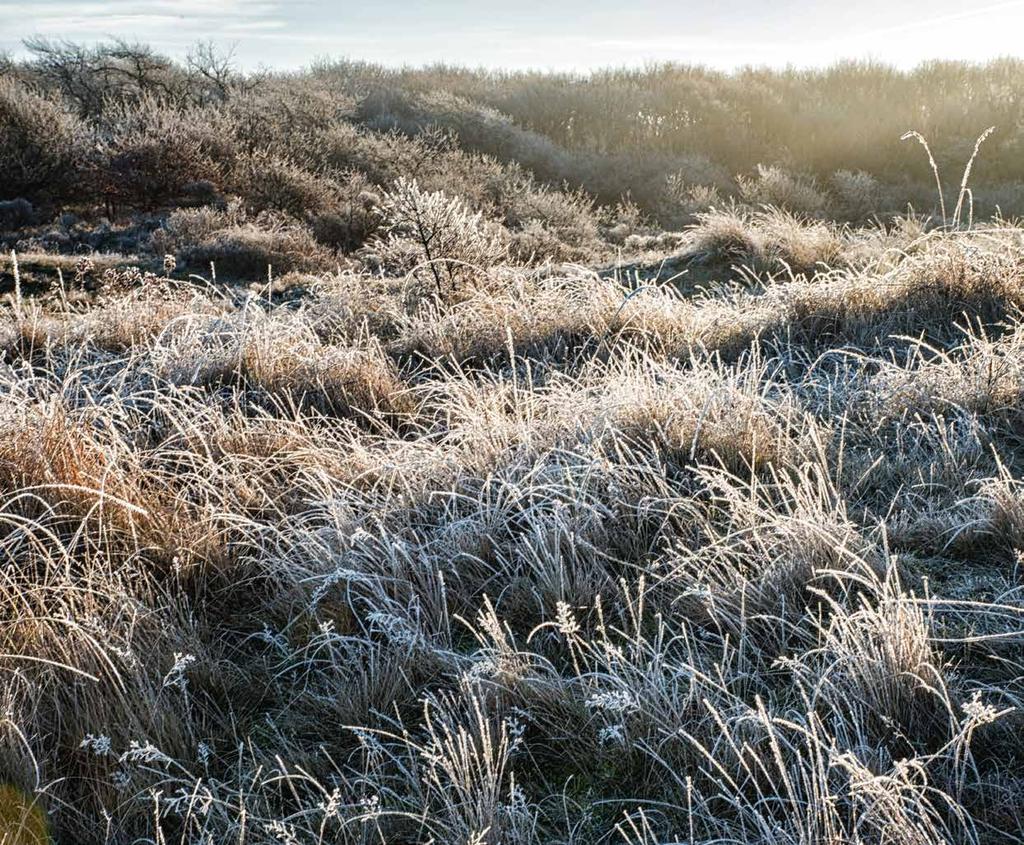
(521, 556)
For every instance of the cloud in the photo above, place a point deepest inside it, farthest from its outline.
(536, 33)
(187, 9)
(166, 24)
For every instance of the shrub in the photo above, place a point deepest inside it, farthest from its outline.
(15, 213)
(151, 152)
(92, 77)
(344, 147)
(268, 182)
(857, 194)
(237, 245)
(282, 112)
(187, 226)
(683, 202)
(625, 220)
(201, 192)
(43, 147)
(435, 238)
(352, 219)
(478, 127)
(776, 187)
(560, 225)
(251, 251)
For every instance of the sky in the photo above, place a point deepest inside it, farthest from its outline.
(544, 34)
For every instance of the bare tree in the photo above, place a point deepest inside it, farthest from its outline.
(213, 68)
(87, 76)
(216, 72)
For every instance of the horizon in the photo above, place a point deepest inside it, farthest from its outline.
(583, 37)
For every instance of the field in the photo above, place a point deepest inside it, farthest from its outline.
(448, 457)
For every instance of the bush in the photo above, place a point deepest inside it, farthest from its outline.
(15, 213)
(268, 182)
(43, 147)
(776, 187)
(237, 245)
(281, 112)
(857, 194)
(478, 127)
(435, 238)
(560, 225)
(201, 192)
(352, 219)
(190, 225)
(251, 251)
(151, 152)
(92, 77)
(683, 202)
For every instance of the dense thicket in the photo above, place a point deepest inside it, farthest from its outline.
(671, 138)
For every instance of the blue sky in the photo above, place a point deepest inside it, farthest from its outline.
(547, 34)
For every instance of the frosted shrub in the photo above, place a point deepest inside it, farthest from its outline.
(435, 239)
(857, 194)
(42, 146)
(777, 187)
